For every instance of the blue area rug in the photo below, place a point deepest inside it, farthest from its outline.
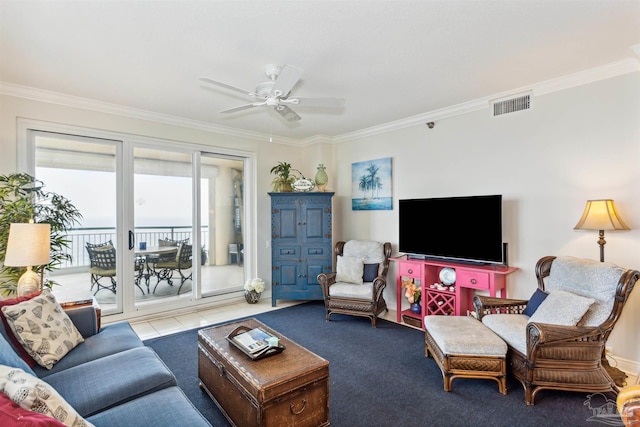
(380, 377)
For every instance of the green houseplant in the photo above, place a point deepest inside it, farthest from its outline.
(284, 178)
(22, 197)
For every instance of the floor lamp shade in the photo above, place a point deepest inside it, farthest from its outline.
(28, 245)
(601, 215)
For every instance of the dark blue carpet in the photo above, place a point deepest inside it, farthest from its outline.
(380, 377)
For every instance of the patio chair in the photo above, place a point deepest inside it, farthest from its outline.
(180, 262)
(355, 288)
(560, 343)
(102, 263)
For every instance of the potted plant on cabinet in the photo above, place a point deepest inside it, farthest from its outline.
(23, 198)
(284, 178)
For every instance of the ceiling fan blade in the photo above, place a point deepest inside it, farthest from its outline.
(240, 108)
(288, 77)
(316, 102)
(226, 86)
(288, 114)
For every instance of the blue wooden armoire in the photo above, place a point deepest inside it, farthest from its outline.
(301, 244)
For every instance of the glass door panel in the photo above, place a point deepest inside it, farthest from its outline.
(164, 243)
(83, 170)
(222, 217)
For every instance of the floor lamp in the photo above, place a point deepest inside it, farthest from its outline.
(601, 215)
(28, 245)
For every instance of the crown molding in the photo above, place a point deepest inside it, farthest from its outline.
(553, 85)
(58, 98)
(614, 69)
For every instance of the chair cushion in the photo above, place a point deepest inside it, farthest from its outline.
(32, 393)
(43, 328)
(510, 327)
(562, 308)
(349, 269)
(371, 252)
(534, 302)
(587, 278)
(463, 335)
(363, 291)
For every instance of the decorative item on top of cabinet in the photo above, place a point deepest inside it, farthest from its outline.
(301, 244)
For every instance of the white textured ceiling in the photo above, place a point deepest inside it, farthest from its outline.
(389, 59)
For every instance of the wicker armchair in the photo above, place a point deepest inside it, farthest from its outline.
(550, 356)
(355, 288)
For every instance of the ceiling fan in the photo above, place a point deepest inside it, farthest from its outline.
(275, 93)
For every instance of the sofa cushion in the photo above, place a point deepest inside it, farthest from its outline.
(43, 328)
(113, 338)
(9, 357)
(587, 278)
(112, 380)
(8, 334)
(349, 269)
(510, 327)
(534, 302)
(165, 408)
(349, 290)
(12, 415)
(34, 394)
(562, 308)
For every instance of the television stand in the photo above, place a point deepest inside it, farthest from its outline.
(441, 300)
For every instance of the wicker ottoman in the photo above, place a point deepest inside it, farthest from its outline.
(464, 348)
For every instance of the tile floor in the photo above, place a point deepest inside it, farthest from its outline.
(170, 325)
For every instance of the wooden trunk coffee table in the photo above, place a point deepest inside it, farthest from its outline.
(287, 389)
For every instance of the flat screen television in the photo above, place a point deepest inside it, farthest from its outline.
(457, 229)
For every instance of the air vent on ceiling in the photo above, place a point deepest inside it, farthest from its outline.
(511, 104)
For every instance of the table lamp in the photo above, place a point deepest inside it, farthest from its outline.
(28, 245)
(601, 215)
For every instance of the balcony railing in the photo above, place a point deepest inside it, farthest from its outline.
(78, 237)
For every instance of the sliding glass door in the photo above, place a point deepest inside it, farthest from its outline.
(173, 214)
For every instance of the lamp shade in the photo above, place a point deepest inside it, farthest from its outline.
(28, 245)
(600, 215)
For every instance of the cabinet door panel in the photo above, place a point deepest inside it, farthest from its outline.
(313, 269)
(286, 275)
(285, 223)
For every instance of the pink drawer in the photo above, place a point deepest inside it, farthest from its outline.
(472, 279)
(409, 269)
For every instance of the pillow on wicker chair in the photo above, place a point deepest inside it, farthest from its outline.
(349, 269)
(562, 308)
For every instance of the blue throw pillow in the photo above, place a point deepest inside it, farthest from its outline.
(370, 272)
(535, 300)
(9, 357)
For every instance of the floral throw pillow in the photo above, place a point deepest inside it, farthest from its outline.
(43, 328)
(35, 395)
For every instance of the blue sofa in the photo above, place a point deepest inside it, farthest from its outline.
(112, 378)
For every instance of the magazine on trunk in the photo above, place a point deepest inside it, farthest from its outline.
(253, 340)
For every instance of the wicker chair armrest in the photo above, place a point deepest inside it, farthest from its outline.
(326, 280)
(379, 283)
(544, 334)
(486, 305)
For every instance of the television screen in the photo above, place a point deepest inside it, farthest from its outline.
(464, 229)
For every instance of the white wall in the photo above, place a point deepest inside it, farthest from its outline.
(573, 145)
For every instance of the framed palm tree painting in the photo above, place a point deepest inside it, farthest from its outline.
(371, 185)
